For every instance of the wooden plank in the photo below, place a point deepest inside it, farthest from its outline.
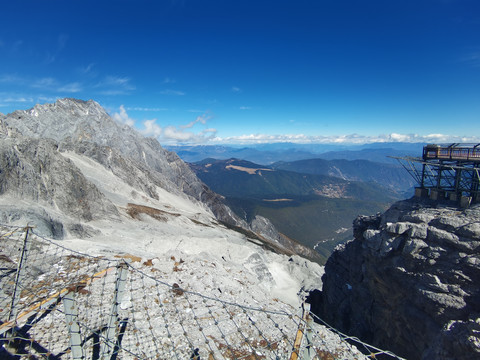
(52, 299)
(299, 336)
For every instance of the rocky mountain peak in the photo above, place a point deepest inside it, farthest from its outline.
(51, 142)
(409, 280)
(84, 127)
(75, 119)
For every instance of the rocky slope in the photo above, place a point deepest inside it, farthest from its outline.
(409, 281)
(42, 179)
(85, 128)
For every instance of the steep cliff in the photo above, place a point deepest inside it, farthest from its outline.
(409, 281)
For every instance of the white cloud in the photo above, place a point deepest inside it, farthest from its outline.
(343, 139)
(169, 134)
(122, 117)
(172, 134)
(245, 108)
(151, 128)
(172, 92)
(236, 89)
(183, 133)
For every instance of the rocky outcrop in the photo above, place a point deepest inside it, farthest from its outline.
(264, 227)
(408, 282)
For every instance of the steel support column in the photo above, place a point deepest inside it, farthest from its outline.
(71, 315)
(108, 344)
(19, 276)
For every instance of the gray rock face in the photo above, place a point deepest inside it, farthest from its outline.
(34, 169)
(85, 128)
(408, 282)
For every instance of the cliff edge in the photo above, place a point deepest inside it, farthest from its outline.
(409, 281)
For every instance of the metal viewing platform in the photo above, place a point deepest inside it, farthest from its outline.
(446, 172)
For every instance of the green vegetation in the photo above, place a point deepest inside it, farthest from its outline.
(315, 210)
(311, 220)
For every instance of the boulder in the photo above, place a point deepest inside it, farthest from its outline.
(408, 281)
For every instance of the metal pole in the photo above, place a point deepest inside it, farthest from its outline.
(71, 315)
(308, 350)
(422, 184)
(19, 276)
(108, 343)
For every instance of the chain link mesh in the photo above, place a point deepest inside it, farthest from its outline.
(148, 318)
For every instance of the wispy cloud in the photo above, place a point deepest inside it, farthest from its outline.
(116, 81)
(71, 88)
(12, 79)
(61, 43)
(53, 85)
(172, 92)
(168, 80)
(472, 59)
(245, 108)
(47, 83)
(202, 119)
(236, 89)
(87, 71)
(115, 85)
(148, 109)
(16, 99)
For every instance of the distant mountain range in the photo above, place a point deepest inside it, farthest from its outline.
(270, 153)
(392, 176)
(241, 178)
(315, 209)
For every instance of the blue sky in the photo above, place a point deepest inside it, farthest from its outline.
(191, 71)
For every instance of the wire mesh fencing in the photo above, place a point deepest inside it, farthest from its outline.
(56, 303)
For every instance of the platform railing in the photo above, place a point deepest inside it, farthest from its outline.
(451, 153)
